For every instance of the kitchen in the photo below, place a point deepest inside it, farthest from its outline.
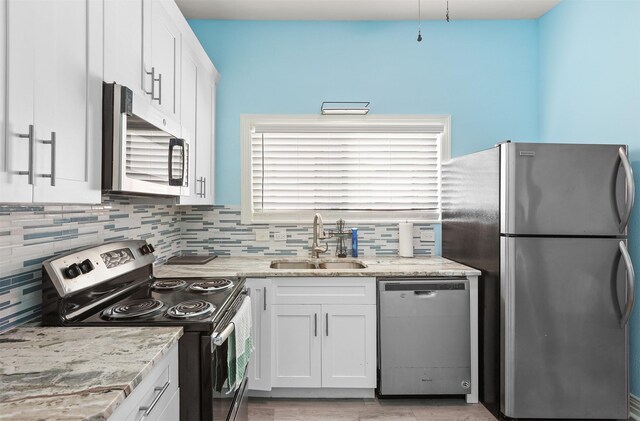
(552, 78)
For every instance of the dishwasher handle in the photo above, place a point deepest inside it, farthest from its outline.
(425, 287)
(426, 293)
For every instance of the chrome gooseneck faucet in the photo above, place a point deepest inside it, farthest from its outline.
(318, 234)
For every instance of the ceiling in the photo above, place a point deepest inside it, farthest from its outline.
(363, 9)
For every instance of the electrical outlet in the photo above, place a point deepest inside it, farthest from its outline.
(428, 235)
(262, 235)
(280, 235)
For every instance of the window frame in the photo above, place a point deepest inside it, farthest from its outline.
(248, 217)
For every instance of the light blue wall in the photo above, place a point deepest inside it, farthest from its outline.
(589, 57)
(483, 73)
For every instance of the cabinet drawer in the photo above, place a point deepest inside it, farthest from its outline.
(157, 390)
(324, 290)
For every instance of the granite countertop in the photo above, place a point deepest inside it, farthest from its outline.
(258, 266)
(69, 373)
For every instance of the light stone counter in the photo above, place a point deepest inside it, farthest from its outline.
(258, 266)
(68, 373)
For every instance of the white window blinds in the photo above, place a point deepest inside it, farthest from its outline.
(350, 166)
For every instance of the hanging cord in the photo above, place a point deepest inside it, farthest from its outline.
(447, 11)
(419, 21)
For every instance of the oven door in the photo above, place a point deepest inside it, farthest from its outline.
(217, 403)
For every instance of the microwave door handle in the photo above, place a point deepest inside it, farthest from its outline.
(172, 144)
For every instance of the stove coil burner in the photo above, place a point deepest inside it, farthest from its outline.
(133, 308)
(168, 285)
(211, 285)
(191, 309)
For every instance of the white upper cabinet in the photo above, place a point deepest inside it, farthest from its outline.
(189, 93)
(123, 32)
(198, 91)
(54, 102)
(3, 99)
(142, 50)
(162, 42)
(205, 145)
(198, 116)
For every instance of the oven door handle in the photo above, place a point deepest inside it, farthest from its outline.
(218, 338)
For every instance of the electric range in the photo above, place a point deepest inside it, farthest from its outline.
(113, 284)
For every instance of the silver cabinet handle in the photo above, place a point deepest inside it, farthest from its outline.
(264, 299)
(631, 280)
(203, 183)
(631, 189)
(51, 142)
(204, 187)
(31, 138)
(152, 73)
(147, 409)
(326, 324)
(315, 324)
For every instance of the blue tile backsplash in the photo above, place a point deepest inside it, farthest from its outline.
(31, 234)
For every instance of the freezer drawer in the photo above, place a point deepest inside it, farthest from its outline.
(565, 348)
(563, 189)
(424, 339)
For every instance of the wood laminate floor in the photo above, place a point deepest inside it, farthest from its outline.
(261, 409)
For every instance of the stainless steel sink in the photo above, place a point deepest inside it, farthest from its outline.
(315, 264)
(293, 265)
(342, 265)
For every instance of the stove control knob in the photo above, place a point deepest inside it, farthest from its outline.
(86, 266)
(147, 249)
(73, 271)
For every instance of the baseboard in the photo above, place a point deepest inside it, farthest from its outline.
(313, 393)
(634, 406)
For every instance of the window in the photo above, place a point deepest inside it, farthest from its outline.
(362, 169)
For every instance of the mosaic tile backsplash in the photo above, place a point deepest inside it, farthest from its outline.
(217, 230)
(31, 234)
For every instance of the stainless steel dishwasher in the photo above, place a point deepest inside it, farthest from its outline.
(423, 338)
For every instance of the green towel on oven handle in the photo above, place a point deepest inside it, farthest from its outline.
(240, 345)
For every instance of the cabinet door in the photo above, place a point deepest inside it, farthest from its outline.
(16, 185)
(260, 364)
(68, 93)
(189, 93)
(3, 98)
(123, 45)
(349, 346)
(165, 44)
(206, 130)
(296, 360)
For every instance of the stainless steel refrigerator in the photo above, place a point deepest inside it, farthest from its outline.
(547, 226)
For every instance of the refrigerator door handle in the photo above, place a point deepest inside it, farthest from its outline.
(631, 280)
(631, 189)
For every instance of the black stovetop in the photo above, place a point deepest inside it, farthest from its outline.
(221, 299)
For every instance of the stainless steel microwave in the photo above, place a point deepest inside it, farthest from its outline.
(143, 152)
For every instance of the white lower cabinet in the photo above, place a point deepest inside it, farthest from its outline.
(349, 346)
(297, 347)
(323, 333)
(260, 363)
(157, 397)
